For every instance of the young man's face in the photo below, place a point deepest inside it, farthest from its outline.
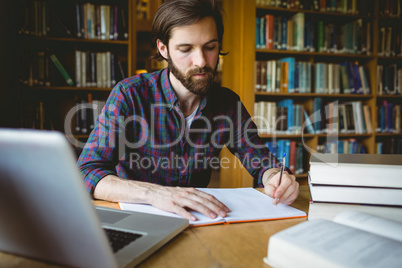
(193, 53)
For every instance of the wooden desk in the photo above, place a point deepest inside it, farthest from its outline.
(234, 245)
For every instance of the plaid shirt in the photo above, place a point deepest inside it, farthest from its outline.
(141, 135)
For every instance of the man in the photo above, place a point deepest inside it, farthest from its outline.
(173, 123)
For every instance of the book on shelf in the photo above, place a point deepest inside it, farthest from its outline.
(36, 114)
(246, 205)
(281, 122)
(345, 78)
(100, 21)
(35, 68)
(282, 117)
(361, 7)
(351, 117)
(283, 76)
(389, 79)
(35, 18)
(87, 112)
(328, 211)
(389, 118)
(265, 116)
(293, 150)
(62, 70)
(356, 178)
(96, 69)
(389, 42)
(342, 146)
(390, 9)
(353, 239)
(296, 33)
(290, 126)
(389, 146)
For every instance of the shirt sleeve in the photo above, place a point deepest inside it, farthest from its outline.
(249, 148)
(101, 152)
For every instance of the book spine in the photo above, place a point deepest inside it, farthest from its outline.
(270, 34)
(78, 68)
(84, 68)
(284, 33)
(61, 69)
(257, 33)
(115, 22)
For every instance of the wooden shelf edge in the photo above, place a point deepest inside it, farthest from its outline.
(388, 134)
(309, 95)
(388, 96)
(320, 135)
(69, 88)
(77, 40)
(282, 136)
(346, 135)
(78, 136)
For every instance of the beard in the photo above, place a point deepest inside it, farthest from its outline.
(198, 86)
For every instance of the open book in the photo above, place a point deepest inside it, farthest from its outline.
(354, 239)
(245, 204)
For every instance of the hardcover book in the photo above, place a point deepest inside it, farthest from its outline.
(353, 239)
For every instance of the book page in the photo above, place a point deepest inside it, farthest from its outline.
(371, 223)
(202, 219)
(322, 243)
(246, 204)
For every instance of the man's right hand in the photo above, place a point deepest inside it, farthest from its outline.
(172, 199)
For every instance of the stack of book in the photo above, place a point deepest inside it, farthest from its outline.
(365, 182)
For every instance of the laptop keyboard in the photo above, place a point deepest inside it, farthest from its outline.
(120, 239)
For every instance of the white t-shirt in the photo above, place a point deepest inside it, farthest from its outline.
(190, 118)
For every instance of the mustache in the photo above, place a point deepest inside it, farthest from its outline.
(200, 70)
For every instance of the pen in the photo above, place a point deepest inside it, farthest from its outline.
(280, 176)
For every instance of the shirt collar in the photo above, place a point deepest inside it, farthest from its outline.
(167, 89)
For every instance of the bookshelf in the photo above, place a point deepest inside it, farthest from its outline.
(116, 35)
(239, 71)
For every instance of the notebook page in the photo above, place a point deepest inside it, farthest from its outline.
(248, 204)
(202, 219)
(245, 204)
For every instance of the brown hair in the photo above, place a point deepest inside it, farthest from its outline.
(177, 13)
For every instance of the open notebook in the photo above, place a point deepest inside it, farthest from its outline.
(246, 205)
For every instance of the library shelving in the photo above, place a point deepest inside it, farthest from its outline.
(347, 32)
(72, 53)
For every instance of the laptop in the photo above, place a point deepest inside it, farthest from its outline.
(46, 213)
